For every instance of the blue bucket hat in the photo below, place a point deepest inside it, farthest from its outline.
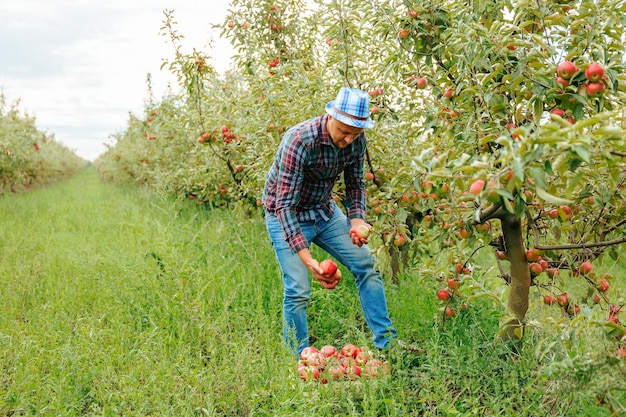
(351, 107)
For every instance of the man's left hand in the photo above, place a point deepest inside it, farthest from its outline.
(359, 231)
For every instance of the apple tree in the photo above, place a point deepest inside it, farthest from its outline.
(509, 150)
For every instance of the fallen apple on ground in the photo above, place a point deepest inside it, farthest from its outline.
(349, 363)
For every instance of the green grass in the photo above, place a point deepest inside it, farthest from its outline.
(118, 302)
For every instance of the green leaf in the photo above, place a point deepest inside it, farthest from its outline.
(508, 205)
(518, 168)
(537, 174)
(574, 164)
(582, 152)
(537, 109)
(544, 195)
(520, 206)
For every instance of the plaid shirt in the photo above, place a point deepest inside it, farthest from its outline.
(301, 180)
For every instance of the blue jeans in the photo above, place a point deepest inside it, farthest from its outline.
(332, 236)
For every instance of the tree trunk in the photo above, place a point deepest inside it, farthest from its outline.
(520, 277)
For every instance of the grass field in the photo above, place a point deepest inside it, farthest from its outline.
(118, 302)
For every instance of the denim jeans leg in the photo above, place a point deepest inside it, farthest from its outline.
(333, 237)
(296, 287)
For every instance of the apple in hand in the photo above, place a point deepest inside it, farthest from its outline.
(362, 231)
(329, 267)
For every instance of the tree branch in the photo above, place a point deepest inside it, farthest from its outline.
(582, 245)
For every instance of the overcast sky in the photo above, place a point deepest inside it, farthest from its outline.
(79, 66)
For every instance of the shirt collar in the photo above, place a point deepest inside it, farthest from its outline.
(325, 137)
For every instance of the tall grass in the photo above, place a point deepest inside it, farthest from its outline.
(117, 302)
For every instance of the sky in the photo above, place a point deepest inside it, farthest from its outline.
(80, 66)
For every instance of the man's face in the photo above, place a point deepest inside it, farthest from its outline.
(342, 134)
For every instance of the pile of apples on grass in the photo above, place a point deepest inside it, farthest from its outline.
(331, 364)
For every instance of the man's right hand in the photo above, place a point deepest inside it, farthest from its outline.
(312, 265)
(327, 282)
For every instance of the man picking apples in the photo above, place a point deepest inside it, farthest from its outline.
(300, 210)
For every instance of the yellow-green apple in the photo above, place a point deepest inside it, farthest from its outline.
(362, 231)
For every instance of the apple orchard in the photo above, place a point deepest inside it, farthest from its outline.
(499, 142)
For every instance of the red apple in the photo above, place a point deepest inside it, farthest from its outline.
(449, 311)
(585, 267)
(316, 359)
(566, 69)
(531, 255)
(329, 267)
(595, 89)
(307, 351)
(349, 350)
(477, 187)
(594, 73)
(603, 285)
(361, 357)
(421, 82)
(549, 299)
(329, 351)
(563, 299)
(535, 269)
(443, 294)
(558, 112)
(399, 240)
(454, 284)
(449, 93)
(404, 33)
